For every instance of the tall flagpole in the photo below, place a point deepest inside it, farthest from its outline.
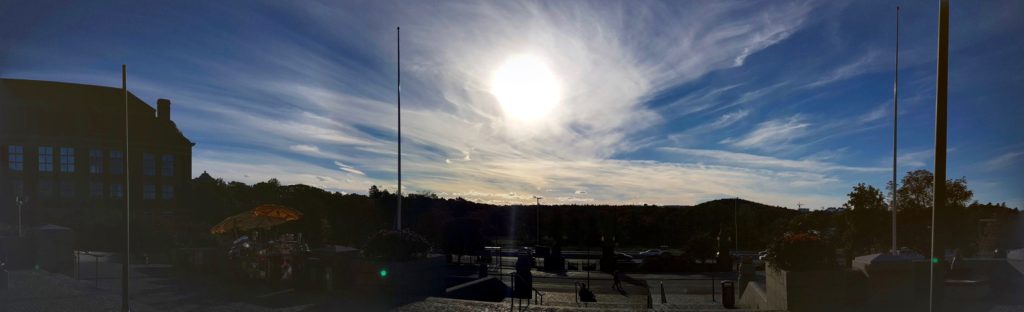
(939, 184)
(895, 116)
(398, 91)
(125, 262)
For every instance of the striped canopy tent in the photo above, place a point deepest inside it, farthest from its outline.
(277, 211)
(262, 217)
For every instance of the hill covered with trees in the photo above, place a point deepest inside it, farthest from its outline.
(460, 226)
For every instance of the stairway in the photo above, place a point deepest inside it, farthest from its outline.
(457, 305)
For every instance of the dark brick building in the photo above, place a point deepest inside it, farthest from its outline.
(63, 146)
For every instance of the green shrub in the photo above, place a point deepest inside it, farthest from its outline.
(801, 251)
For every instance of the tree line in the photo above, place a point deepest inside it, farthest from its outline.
(459, 226)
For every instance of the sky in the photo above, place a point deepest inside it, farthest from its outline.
(580, 102)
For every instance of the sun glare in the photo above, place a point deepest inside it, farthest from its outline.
(526, 88)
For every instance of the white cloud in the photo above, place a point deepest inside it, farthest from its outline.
(304, 148)
(347, 168)
(759, 161)
(870, 61)
(772, 135)
(1005, 160)
(730, 118)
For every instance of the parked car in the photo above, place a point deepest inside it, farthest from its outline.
(654, 253)
(759, 261)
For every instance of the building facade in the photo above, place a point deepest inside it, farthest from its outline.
(63, 149)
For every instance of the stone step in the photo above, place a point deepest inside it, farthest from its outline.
(458, 305)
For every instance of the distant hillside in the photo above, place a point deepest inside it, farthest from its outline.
(349, 219)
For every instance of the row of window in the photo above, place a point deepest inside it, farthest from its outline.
(16, 161)
(45, 188)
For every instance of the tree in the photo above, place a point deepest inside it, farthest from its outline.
(917, 191)
(866, 222)
(865, 196)
(463, 237)
(374, 192)
(914, 202)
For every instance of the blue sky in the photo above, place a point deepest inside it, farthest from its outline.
(654, 102)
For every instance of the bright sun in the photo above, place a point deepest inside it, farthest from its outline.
(526, 88)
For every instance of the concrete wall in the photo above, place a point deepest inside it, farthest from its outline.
(805, 291)
(405, 281)
(754, 297)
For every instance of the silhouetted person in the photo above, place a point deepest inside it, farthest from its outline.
(617, 280)
(585, 294)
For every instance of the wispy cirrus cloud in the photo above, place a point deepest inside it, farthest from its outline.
(773, 135)
(304, 92)
(1004, 160)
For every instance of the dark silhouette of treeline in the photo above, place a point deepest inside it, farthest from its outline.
(461, 226)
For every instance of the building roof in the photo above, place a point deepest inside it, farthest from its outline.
(41, 110)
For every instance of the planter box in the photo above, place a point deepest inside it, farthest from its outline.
(798, 291)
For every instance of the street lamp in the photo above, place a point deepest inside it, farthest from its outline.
(20, 200)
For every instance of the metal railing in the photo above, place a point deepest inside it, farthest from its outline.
(538, 296)
(712, 279)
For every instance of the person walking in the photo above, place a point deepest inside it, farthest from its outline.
(617, 280)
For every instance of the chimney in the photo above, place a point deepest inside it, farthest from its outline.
(163, 109)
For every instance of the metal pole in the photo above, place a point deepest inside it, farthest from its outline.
(941, 92)
(20, 201)
(125, 263)
(895, 117)
(398, 92)
(538, 220)
(735, 224)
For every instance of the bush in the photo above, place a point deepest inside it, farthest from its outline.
(802, 251)
(391, 245)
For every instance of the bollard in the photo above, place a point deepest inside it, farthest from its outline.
(713, 288)
(663, 299)
(96, 275)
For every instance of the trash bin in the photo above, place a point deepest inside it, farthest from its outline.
(728, 294)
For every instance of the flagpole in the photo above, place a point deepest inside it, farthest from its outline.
(398, 91)
(895, 116)
(125, 262)
(939, 184)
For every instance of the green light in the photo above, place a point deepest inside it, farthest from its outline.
(935, 260)
(383, 273)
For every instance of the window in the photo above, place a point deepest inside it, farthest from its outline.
(67, 188)
(16, 157)
(46, 159)
(167, 191)
(167, 165)
(96, 189)
(67, 159)
(45, 187)
(116, 190)
(149, 191)
(95, 161)
(148, 164)
(116, 162)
